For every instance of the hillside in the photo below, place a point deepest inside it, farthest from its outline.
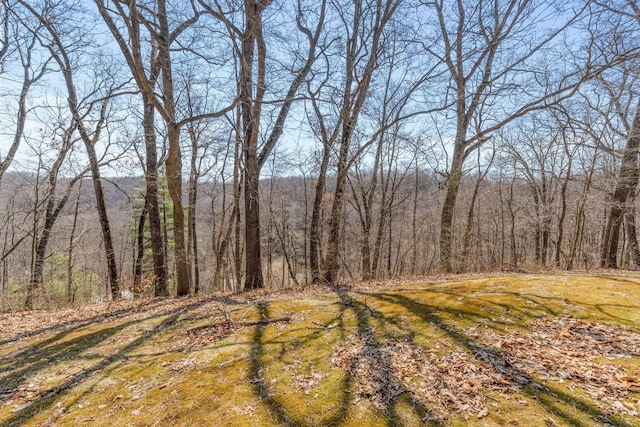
(512, 350)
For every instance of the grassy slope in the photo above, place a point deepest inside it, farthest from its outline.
(148, 369)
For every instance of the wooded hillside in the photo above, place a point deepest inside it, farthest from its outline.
(173, 147)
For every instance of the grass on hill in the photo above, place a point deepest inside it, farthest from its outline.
(509, 350)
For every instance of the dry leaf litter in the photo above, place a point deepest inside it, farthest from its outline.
(578, 353)
(561, 349)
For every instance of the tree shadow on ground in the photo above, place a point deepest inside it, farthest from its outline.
(114, 315)
(80, 323)
(275, 406)
(71, 350)
(548, 396)
(536, 304)
(389, 396)
(344, 395)
(618, 279)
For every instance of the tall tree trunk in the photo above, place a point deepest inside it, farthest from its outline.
(513, 259)
(563, 213)
(632, 237)
(626, 177)
(251, 107)
(192, 236)
(139, 252)
(316, 211)
(38, 263)
(367, 201)
(174, 155)
(305, 234)
(71, 285)
(448, 207)
(235, 216)
(253, 257)
(630, 222)
(537, 232)
(52, 211)
(466, 245)
(356, 88)
(580, 216)
(60, 55)
(332, 262)
(105, 226)
(387, 197)
(174, 183)
(414, 217)
(160, 286)
(252, 41)
(32, 287)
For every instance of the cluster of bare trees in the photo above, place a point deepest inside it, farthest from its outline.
(318, 141)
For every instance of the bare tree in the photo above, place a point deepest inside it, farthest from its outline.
(33, 69)
(251, 49)
(625, 188)
(360, 64)
(499, 60)
(4, 31)
(624, 193)
(53, 204)
(61, 51)
(72, 286)
(468, 234)
(137, 18)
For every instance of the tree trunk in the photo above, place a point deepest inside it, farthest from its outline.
(466, 245)
(192, 236)
(160, 286)
(367, 201)
(174, 156)
(71, 285)
(632, 237)
(626, 177)
(253, 257)
(105, 226)
(52, 211)
(235, 217)
(630, 222)
(174, 182)
(580, 216)
(59, 53)
(283, 235)
(251, 107)
(139, 253)
(38, 263)
(414, 217)
(563, 214)
(448, 207)
(356, 88)
(316, 211)
(31, 287)
(513, 259)
(332, 263)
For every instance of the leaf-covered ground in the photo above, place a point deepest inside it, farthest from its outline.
(508, 350)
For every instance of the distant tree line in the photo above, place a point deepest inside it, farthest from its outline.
(172, 147)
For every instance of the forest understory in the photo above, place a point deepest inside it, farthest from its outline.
(533, 349)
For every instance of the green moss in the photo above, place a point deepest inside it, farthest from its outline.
(150, 371)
